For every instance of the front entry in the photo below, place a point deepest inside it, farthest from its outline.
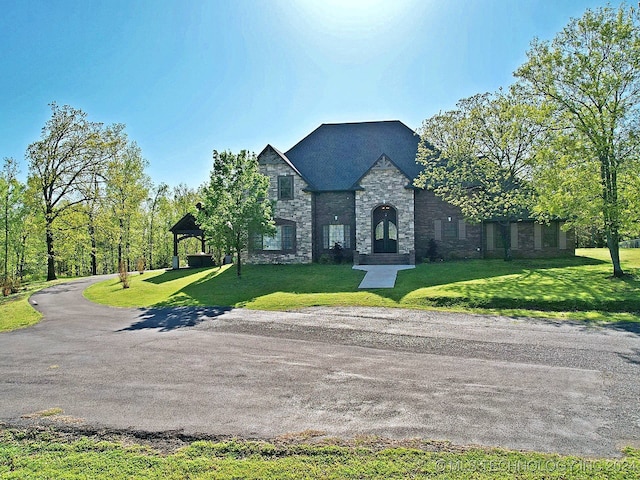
(385, 230)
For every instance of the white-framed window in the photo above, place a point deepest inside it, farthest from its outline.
(332, 234)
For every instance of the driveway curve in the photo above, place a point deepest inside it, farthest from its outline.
(495, 381)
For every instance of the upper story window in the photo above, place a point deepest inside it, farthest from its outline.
(285, 187)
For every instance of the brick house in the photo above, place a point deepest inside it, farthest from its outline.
(352, 183)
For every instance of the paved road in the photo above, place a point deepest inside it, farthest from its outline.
(492, 381)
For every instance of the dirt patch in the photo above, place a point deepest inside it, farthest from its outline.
(169, 442)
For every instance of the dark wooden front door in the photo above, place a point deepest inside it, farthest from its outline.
(385, 230)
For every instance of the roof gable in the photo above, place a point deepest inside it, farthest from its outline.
(268, 154)
(382, 163)
(336, 156)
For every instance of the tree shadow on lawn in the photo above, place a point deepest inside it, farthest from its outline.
(170, 274)
(557, 291)
(168, 319)
(225, 288)
(442, 273)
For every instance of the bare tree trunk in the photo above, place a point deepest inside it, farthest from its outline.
(94, 247)
(609, 179)
(51, 268)
(120, 242)
(613, 239)
(238, 261)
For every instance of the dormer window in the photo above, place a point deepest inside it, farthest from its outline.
(285, 187)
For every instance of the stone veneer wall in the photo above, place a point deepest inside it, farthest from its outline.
(432, 213)
(384, 186)
(298, 210)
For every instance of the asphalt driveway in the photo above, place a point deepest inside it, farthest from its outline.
(496, 381)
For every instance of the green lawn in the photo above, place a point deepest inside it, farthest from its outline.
(46, 454)
(577, 288)
(15, 311)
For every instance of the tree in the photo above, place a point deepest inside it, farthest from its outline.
(60, 162)
(590, 73)
(159, 193)
(13, 209)
(127, 186)
(235, 202)
(478, 157)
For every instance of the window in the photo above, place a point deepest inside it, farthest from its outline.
(450, 228)
(283, 240)
(285, 188)
(550, 235)
(332, 234)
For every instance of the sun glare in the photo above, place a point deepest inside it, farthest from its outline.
(354, 16)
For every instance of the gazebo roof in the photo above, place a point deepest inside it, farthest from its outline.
(187, 225)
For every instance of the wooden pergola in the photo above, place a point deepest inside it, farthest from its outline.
(186, 227)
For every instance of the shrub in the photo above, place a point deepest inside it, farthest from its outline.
(324, 259)
(124, 275)
(140, 265)
(336, 251)
(10, 285)
(432, 250)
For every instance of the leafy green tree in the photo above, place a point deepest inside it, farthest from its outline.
(235, 202)
(153, 205)
(590, 73)
(14, 212)
(64, 158)
(478, 157)
(127, 187)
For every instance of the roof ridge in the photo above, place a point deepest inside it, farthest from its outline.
(363, 122)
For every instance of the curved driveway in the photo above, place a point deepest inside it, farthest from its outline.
(494, 381)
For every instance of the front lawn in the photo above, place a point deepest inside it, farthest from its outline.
(15, 311)
(578, 288)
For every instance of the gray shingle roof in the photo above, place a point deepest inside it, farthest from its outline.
(335, 156)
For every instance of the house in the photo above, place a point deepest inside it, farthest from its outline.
(352, 183)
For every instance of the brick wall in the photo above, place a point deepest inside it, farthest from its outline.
(454, 239)
(526, 241)
(328, 206)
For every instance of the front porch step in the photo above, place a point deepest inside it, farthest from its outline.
(385, 259)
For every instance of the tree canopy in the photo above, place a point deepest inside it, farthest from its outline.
(60, 163)
(479, 157)
(235, 202)
(590, 74)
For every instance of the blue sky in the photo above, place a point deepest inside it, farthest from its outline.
(190, 76)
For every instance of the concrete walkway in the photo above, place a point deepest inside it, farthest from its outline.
(380, 276)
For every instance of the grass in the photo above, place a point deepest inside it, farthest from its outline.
(46, 454)
(15, 311)
(578, 288)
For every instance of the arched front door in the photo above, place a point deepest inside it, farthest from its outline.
(385, 230)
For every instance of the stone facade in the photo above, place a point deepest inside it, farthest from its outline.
(384, 184)
(443, 222)
(297, 210)
(332, 189)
